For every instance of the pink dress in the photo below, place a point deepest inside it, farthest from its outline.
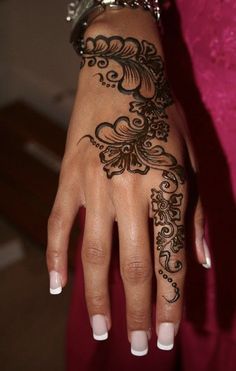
(200, 46)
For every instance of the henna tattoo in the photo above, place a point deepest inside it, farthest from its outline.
(173, 284)
(170, 236)
(132, 142)
(141, 71)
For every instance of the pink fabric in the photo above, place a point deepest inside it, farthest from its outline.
(209, 29)
(204, 80)
(200, 47)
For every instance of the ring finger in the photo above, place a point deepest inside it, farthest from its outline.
(169, 257)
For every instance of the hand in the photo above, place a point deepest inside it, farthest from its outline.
(124, 161)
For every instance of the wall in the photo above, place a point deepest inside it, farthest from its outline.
(37, 62)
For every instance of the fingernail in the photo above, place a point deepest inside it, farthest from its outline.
(55, 283)
(139, 343)
(206, 265)
(166, 335)
(99, 327)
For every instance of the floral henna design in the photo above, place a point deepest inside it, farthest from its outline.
(129, 148)
(142, 70)
(133, 143)
(170, 236)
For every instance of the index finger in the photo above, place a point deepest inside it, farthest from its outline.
(65, 208)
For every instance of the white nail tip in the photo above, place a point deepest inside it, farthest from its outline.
(55, 283)
(99, 326)
(166, 334)
(207, 265)
(164, 347)
(56, 291)
(139, 352)
(100, 337)
(139, 343)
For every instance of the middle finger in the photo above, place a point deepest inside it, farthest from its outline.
(136, 271)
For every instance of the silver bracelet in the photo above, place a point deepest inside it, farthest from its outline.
(81, 13)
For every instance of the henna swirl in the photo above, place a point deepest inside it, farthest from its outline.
(134, 144)
(170, 238)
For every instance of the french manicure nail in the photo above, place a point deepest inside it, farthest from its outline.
(139, 343)
(55, 283)
(99, 327)
(206, 265)
(166, 335)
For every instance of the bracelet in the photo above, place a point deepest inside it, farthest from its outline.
(82, 12)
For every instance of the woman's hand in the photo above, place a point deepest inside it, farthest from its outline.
(125, 158)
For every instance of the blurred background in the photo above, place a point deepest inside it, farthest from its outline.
(38, 72)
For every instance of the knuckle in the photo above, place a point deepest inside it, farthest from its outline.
(92, 253)
(93, 164)
(96, 301)
(136, 270)
(56, 220)
(199, 219)
(137, 318)
(53, 254)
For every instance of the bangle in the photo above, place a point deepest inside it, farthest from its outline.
(82, 12)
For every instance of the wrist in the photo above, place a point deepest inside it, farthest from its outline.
(83, 12)
(125, 22)
(136, 23)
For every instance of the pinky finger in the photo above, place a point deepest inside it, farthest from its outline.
(202, 250)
